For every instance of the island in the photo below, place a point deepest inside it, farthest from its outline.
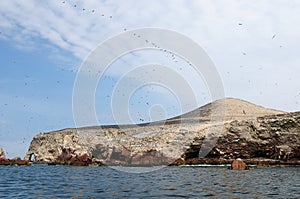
(254, 134)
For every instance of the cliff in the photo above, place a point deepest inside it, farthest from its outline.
(244, 131)
(273, 139)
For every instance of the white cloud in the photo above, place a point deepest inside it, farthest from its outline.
(213, 24)
(79, 31)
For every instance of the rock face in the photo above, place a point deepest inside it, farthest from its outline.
(245, 132)
(272, 139)
(112, 146)
(68, 157)
(2, 153)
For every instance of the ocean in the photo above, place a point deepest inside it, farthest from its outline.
(43, 181)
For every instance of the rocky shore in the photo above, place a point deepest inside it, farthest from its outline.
(12, 162)
(257, 135)
(269, 140)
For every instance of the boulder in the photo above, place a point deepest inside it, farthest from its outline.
(238, 164)
(179, 161)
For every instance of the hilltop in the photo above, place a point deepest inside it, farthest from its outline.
(230, 109)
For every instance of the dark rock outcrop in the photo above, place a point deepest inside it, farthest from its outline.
(268, 140)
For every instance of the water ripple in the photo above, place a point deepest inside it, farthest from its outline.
(41, 181)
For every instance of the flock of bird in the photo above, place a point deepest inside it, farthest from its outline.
(173, 57)
(154, 45)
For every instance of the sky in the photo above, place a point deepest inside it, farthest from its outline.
(254, 46)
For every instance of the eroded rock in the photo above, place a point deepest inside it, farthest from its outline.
(2, 153)
(14, 162)
(268, 138)
(69, 157)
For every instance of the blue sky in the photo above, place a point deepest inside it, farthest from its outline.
(254, 45)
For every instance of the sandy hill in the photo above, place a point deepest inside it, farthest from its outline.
(227, 109)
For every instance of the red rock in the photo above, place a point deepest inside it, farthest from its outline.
(136, 159)
(150, 158)
(14, 162)
(147, 160)
(4, 161)
(125, 152)
(263, 164)
(69, 157)
(179, 161)
(238, 164)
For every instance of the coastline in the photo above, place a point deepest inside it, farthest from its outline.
(262, 139)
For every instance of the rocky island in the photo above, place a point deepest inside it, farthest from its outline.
(253, 133)
(12, 162)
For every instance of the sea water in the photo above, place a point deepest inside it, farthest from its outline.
(43, 181)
